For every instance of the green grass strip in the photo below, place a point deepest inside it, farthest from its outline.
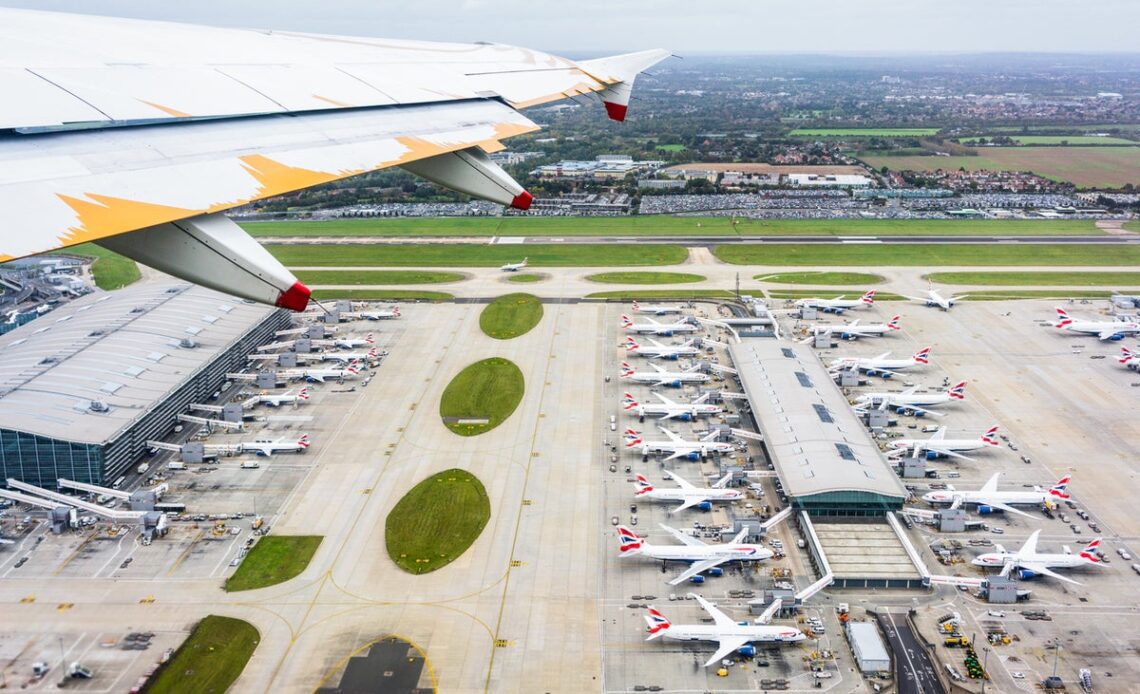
(210, 660)
(1043, 279)
(371, 277)
(822, 278)
(645, 278)
(435, 522)
(524, 277)
(380, 294)
(929, 255)
(274, 559)
(510, 316)
(479, 255)
(486, 392)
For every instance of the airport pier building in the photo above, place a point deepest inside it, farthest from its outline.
(84, 388)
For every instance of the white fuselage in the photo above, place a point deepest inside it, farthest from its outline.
(346, 357)
(658, 310)
(278, 400)
(655, 377)
(664, 352)
(1115, 327)
(1051, 560)
(350, 344)
(831, 304)
(676, 411)
(322, 374)
(693, 449)
(874, 365)
(727, 552)
(754, 633)
(680, 494)
(378, 315)
(902, 399)
(1033, 498)
(269, 448)
(956, 445)
(875, 330)
(664, 329)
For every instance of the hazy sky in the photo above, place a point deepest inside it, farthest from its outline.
(684, 26)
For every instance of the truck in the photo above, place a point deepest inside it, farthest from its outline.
(176, 466)
(142, 468)
(250, 465)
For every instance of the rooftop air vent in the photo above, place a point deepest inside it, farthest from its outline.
(187, 343)
(48, 360)
(98, 406)
(95, 333)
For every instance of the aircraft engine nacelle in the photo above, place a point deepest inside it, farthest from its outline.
(698, 579)
(694, 455)
(715, 572)
(747, 650)
(832, 309)
(1117, 337)
(705, 506)
(848, 336)
(674, 384)
(665, 333)
(983, 509)
(933, 455)
(686, 417)
(1025, 574)
(671, 357)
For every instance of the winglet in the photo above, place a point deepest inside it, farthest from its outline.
(619, 72)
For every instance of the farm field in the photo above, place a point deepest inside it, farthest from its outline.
(1086, 167)
(1065, 140)
(663, 225)
(928, 255)
(863, 132)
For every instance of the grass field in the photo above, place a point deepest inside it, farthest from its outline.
(490, 389)
(1045, 279)
(671, 148)
(645, 278)
(510, 316)
(274, 559)
(480, 255)
(110, 270)
(399, 277)
(1070, 140)
(1132, 226)
(828, 294)
(381, 294)
(863, 132)
(679, 293)
(655, 225)
(821, 278)
(929, 255)
(209, 660)
(1006, 294)
(524, 277)
(435, 522)
(1087, 167)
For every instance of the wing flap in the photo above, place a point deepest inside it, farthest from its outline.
(82, 188)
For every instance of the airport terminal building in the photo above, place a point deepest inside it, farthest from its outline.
(823, 455)
(83, 388)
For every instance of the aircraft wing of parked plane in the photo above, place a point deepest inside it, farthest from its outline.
(137, 135)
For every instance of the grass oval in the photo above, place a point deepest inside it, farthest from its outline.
(822, 278)
(274, 559)
(525, 277)
(435, 522)
(510, 316)
(210, 659)
(481, 396)
(645, 277)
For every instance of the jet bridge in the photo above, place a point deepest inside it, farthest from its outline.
(62, 516)
(153, 523)
(210, 422)
(139, 500)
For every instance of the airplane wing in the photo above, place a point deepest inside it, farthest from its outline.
(923, 410)
(316, 377)
(672, 437)
(678, 480)
(884, 355)
(659, 369)
(1005, 507)
(224, 117)
(719, 618)
(950, 453)
(1107, 334)
(696, 568)
(1042, 569)
(728, 646)
(1030, 546)
(684, 538)
(664, 399)
(938, 435)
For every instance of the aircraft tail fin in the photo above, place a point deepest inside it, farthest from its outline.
(304, 394)
(643, 486)
(630, 543)
(894, 323)
(1063, 319)
(1090, 550)
(957, 391)
(369, 339)
(869, 297)
(1126, 355)
(656, 623)
(922, 356)
(1061, 489)
(991, 436)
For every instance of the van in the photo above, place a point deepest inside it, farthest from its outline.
(250, 465)
(823, 675)
(176, 466)
(613, 422)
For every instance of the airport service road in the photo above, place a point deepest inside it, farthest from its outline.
(563, 282)
(912, 662)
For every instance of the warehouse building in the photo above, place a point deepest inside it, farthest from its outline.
(822, 454)
(84, 388)
(867, 645)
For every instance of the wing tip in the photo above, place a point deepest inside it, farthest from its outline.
(295, 298)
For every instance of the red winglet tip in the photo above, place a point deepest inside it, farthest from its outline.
(295, 298)
(522, 201)
(616, 111)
